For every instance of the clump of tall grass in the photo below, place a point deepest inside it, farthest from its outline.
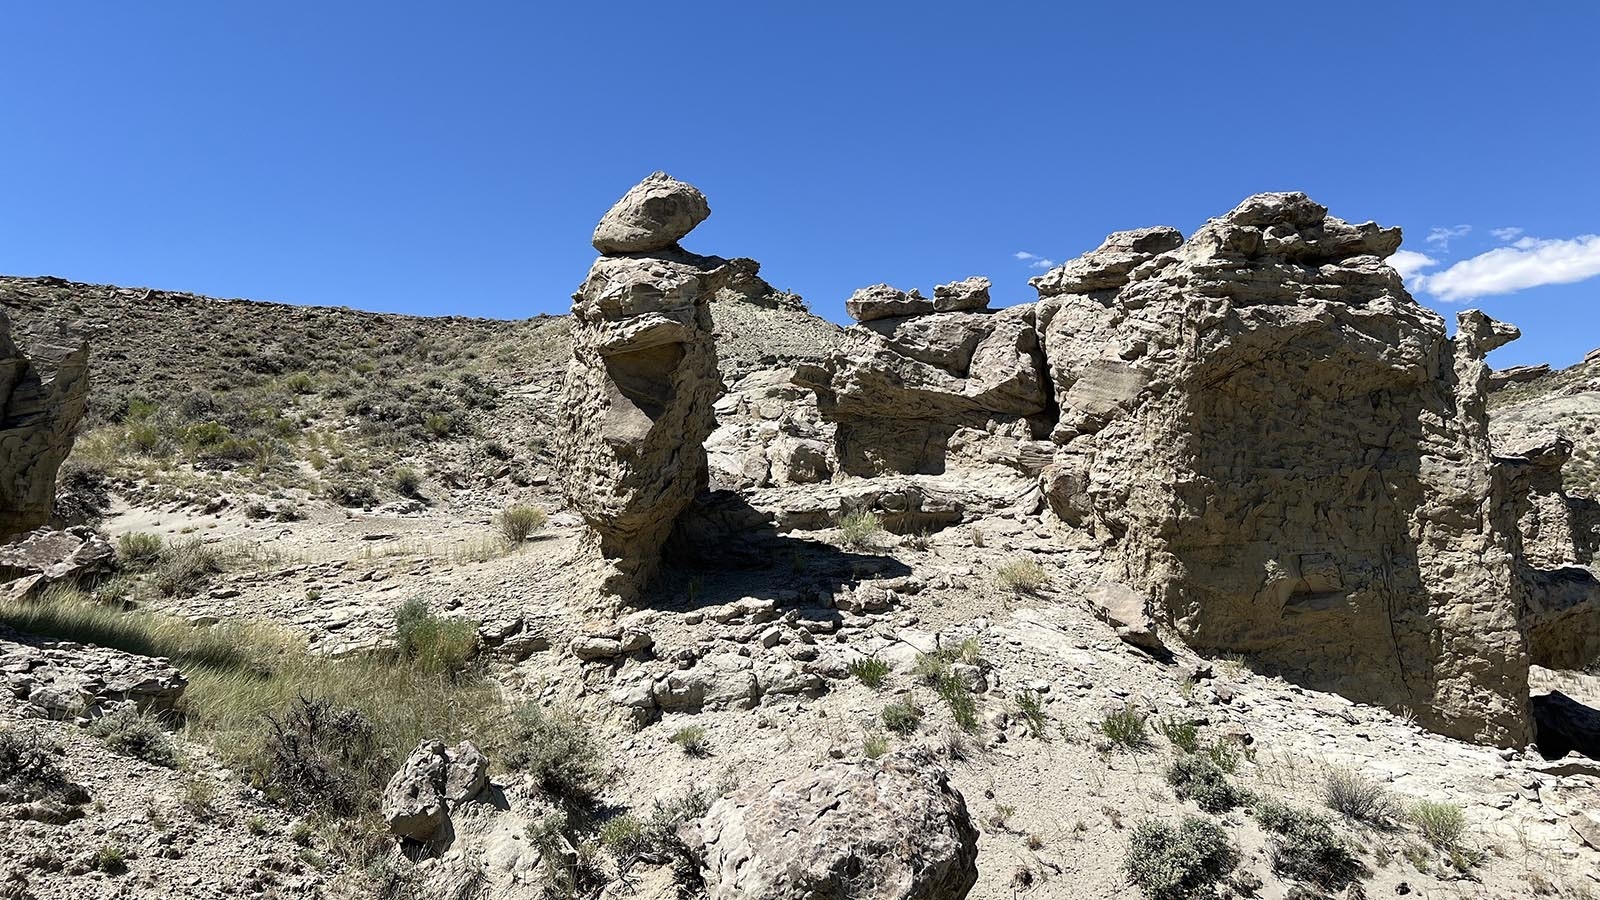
(519, 522)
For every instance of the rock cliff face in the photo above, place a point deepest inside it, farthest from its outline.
(1289, 456)
(41, 400)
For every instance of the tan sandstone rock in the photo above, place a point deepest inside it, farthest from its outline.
(653, 215)
(1289, 456)
(877, 830)
(41, 399)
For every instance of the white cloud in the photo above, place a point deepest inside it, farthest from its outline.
(1410, 263)
(1443, 236)
(1527, 263)
(1505, 234)
(1033, 260)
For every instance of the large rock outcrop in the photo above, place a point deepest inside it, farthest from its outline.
(909, 378)
(1289, 456)
(888, 830)
(41, 399)
(639, 391)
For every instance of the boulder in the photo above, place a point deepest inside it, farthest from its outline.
(1128, 611)
(653, 215)
(962, 296)
(433, 780)
(42, 397)
(880, 301)
(893, 829)
(57, 555)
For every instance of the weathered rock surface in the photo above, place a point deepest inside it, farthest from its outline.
(1290, 457)
(653, 215)
(881, 301)
(637, 404)
(65, 680)
(900, 389)
(41, 399)
(56, 555)
(962, 296)
(889, 830)
(433, 780)
(1500, 378)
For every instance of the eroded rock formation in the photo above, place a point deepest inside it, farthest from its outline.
(41, 399)
(1289, 456)
(888, 830)
(910, 378)
(639, 392)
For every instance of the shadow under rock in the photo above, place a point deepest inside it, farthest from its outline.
(723, 549)
(1562, 725)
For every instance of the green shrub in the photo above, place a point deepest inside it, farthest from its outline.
(1030, 704)
(139, 551)
(435, 644)
(111, 860)
(860, 529)
(321, 756)
(130, 732)
(1440, 824)
(902, 716)
(1355, 796)
(558, 749)
(692, 738)
(300, 383)
(1021, 575)
(440, 425)
(519, 522)
(1181, 863)
(1197, 778)
(869, 670)
(1223, 756)
(405, 481)
(1304, 847)
(1125, 728)
(1181, 733)
(351, 492)
(185, 567)
(874, 745)
(957, 697)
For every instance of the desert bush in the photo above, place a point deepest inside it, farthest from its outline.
(1125, 728)
(1304, 847)
(692, 738)
(1030, 704)
(902, 716)
(110, 859)
(1197, 778)
(139, 551)
(320, 755)
(1355, 796)
(957, 697)
(300, 383)
(860, 528)
(435, 644)
(869, 670)
(352, 492)
(1222, 755)
(1021, 575)
(1181, 733)
(1440, 824)
(130, 732)
(1179, 863)
(30, 766)
(519, 522)
(558, 750)
(440, 425)
(874, 745)
(185, 567)
(405, 481)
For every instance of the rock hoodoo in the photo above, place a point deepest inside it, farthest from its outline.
(889, 830)
(639, 392)
(1290, 458)
(41, 399)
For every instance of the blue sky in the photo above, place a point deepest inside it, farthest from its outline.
(453, 158)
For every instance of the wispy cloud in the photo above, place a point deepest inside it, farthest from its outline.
(1443, 236)
(1505, 234)
(1528, 262)
(1034, 260)
(1410, 263)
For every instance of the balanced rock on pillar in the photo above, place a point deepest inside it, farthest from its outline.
(639, 390)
